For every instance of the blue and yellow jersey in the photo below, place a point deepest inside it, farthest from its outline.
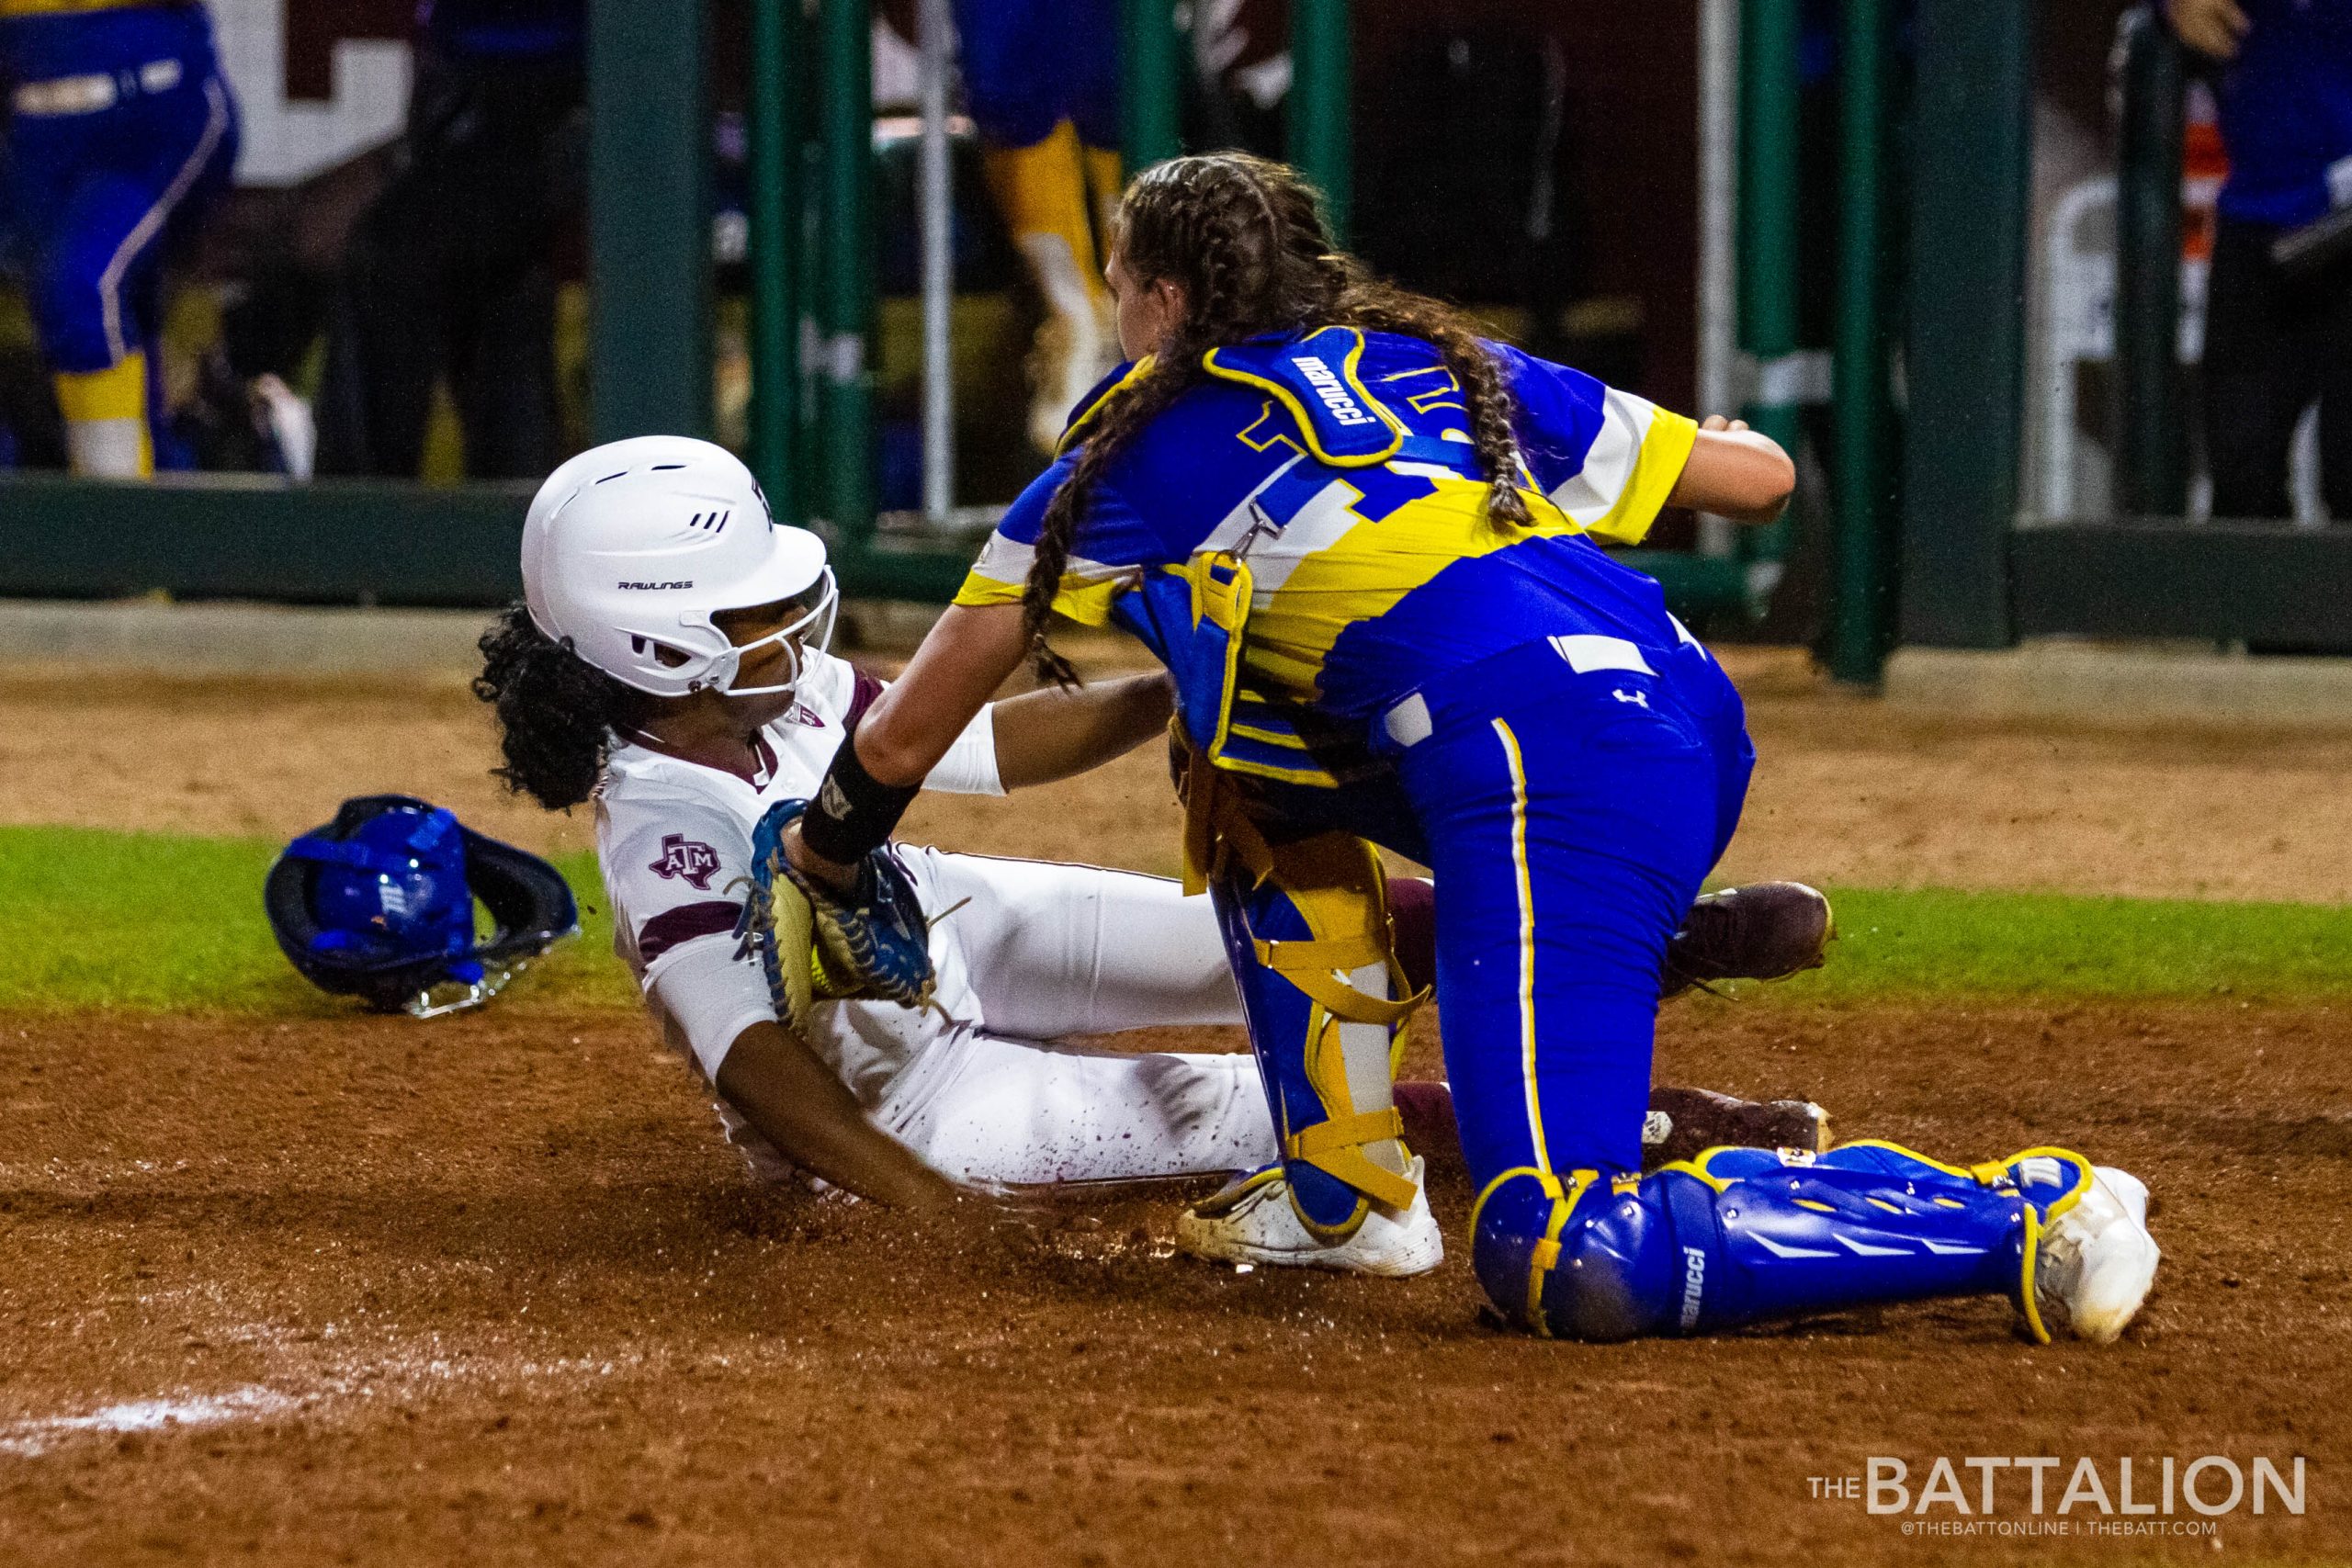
(1335, 467)
(2285, 104)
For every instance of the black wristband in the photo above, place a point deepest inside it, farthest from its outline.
(854, 812)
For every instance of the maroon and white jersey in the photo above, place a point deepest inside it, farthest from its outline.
(673, 840)
(1030, 955)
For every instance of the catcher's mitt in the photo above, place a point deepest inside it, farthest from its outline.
(872, 942)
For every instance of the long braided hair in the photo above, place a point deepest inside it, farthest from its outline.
(1244, 237)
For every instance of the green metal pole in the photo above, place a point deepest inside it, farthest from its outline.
(1972, 160)
(1152, 85)
(775, 171)
(808, 248)
(1770, 172)
(2150, 454)
(1322, 129)
(1863, 480)
(845, 291)
(648, 221)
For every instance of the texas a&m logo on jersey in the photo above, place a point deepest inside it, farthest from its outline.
(689, 858)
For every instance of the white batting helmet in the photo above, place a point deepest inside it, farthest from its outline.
(630, 547)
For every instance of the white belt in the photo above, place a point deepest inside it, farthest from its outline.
(1408, 722)
(93, 94)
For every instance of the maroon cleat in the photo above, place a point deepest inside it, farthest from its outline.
(1684, 1121)
(1681, 1121)
(1765, 930)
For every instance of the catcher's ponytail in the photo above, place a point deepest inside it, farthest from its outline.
(558, 716)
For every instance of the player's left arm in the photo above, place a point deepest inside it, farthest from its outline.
(1734, 472)
(1053, 733)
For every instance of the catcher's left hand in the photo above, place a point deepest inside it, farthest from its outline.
(872, 942)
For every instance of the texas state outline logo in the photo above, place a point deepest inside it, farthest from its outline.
(691, 859)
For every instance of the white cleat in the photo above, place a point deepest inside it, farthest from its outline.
(1253, 1220)
(2096, 1261)
(285, 419)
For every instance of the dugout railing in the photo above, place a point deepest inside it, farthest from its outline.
(813, 309)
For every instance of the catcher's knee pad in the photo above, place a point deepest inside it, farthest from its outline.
(1310, 951)
(1742, 1235)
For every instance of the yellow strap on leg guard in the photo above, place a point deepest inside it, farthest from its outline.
(1217, 829)
(1335, 881)
(1329, 1082)
(1337, 1146)
(1309, 965)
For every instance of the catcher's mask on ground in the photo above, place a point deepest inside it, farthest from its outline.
(629, 549)
(380, 904)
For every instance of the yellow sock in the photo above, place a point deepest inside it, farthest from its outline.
(105, 420)
(1102, 181)
(1041, 190)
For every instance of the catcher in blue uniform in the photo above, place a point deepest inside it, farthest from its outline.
(1366, 544)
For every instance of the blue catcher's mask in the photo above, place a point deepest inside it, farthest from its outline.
(395, 889)
(380, 904)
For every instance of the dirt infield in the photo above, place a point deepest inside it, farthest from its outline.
(492, 1293)
(493, 1290)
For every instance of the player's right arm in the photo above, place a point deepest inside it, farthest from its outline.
(793, 1100)
(1734, 472)
(1612, 461)
(669, 867)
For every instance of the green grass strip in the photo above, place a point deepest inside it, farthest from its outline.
(1943, 942)
(158, 923)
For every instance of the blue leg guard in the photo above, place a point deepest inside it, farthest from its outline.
(1738, 1235)
(1325, 1044)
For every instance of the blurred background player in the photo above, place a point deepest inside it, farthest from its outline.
(1041, 78)
(121, 130)
(451, 272)
(2277, 339)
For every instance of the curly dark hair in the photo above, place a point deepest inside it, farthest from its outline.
(558, 714)
(1244, 237)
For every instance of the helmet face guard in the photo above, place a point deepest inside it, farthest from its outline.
(380, 904)
(812, 629)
